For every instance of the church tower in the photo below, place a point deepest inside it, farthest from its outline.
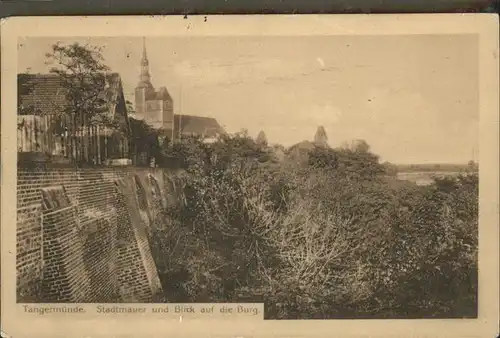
(155, 107)
(144, 88)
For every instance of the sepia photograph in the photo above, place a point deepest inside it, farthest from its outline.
(325, 176)
(319, 175)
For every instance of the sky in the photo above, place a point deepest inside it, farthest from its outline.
(414, 99)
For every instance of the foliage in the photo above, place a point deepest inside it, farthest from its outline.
(330, 239)
(390, 169)
(356, 164)
(261, 138)
(83, 76)
(144, 140)
(86, 92)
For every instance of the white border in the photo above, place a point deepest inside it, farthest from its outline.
(17, 324)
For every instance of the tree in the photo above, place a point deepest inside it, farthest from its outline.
(320, 137)
(261, 138)
(145, 141)
(345, 145)
(360, 146)
(323, 158)
(81, 72)
(390, 168)
(329, 240)
(130, 108)
(243, 132)
(472, 166)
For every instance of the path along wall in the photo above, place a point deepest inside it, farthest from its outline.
(84, 235)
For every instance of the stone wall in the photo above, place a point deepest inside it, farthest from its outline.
(95, 246)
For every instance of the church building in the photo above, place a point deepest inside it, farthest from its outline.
(156, 108)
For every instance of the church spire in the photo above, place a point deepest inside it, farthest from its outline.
(145, 78)
(144, 54)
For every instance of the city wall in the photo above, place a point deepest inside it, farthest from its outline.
(84, 235)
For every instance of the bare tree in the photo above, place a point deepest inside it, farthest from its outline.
(309, 244)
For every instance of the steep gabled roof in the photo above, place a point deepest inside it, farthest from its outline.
(163, 94)
(41, 94)
(189, 124)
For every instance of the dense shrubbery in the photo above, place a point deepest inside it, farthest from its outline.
(329, 239)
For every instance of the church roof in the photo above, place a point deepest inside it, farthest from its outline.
(163, 94)
(189, 124)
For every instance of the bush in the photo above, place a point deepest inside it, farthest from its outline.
(331, 239)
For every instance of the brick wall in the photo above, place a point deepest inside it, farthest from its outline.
(95, 250)
(99, 255)
(64, 277)
(139, 280)
(29, 224)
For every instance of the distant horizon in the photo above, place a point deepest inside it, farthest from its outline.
(414, 99)
(436, 163)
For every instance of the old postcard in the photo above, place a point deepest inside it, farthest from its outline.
(250, 176)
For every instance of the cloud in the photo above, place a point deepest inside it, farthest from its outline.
(215, 72)
(321, 62)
